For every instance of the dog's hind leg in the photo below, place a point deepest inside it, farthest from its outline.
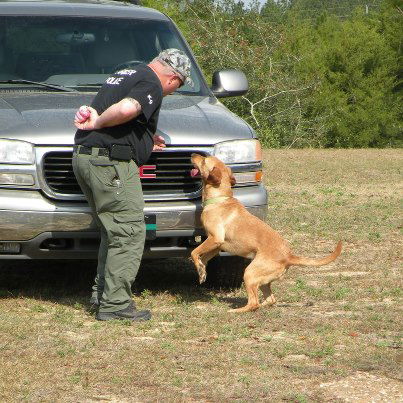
(251, 280)
(268, 297)
(260, 273)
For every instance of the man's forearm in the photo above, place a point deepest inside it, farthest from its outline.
(119, 113)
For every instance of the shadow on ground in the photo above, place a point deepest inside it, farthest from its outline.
(70, 282)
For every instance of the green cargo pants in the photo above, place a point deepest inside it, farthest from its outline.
(113, 191)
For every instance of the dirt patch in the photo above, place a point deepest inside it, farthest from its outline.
(335, 313)
(109, 399)
(362, 387)
(342, 273)
(76, 337)
(295, 358)
(143, 338)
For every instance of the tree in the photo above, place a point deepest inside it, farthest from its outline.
(322, 73)
(354, 70)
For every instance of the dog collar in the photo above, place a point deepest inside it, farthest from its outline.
(215, 200)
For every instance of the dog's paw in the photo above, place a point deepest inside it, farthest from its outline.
(269, 301)
(202, 277)
(246, 308)
(201, 269)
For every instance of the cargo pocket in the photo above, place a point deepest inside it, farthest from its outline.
(129, 226)
(107, 185)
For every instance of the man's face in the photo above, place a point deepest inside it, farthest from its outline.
(171, 84)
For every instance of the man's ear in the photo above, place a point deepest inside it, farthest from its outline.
(214, 177)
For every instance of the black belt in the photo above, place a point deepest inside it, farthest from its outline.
(104, 152)
(121, 153)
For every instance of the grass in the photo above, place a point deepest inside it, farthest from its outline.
(329, 322)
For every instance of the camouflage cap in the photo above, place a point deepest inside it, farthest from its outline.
(179, 62)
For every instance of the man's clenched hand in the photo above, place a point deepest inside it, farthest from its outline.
(85, 118)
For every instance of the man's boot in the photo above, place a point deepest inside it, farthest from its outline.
(128, 313)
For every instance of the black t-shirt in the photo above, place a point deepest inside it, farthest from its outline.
(141, 84)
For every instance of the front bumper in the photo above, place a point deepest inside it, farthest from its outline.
(46, 229)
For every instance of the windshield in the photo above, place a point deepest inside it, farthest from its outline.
(82, 52)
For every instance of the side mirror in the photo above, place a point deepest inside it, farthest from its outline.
(229, 83)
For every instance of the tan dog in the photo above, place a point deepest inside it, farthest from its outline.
(231, 228)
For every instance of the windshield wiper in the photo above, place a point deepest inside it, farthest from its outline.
(91, 85)
(41, 84)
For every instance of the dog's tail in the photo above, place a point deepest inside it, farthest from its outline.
(303, 261)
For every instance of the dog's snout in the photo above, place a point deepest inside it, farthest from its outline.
(196, 159)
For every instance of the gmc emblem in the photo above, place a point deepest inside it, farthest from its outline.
(144, 175)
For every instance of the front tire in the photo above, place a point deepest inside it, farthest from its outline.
(225, 272)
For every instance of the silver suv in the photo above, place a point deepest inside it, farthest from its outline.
(54, 56)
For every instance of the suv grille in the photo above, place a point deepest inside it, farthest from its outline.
(172, 174)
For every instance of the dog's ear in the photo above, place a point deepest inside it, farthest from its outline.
(214, 177)
(232, 179)
(231, 176)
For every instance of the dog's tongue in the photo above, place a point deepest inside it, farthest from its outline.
(194, 172)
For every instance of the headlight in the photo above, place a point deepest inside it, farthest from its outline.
(16, 152)
(238, 151)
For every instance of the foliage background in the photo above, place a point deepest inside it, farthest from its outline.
(322, 73)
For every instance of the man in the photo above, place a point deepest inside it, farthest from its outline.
(115, 136)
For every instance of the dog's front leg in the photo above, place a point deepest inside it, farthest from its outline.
(209, 248)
